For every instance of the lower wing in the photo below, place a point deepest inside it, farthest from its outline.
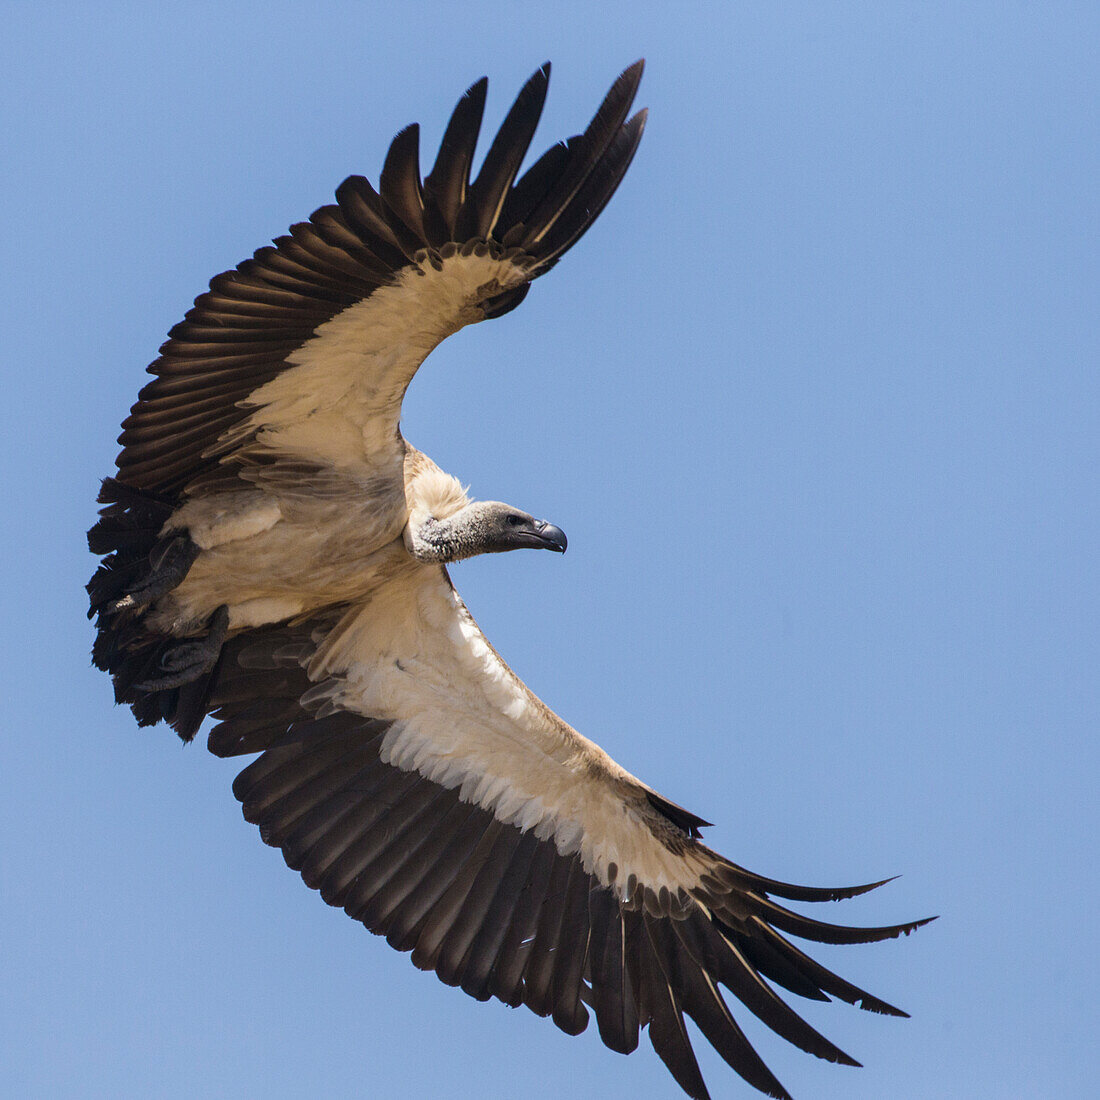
(413, 780)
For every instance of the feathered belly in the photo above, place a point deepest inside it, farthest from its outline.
(273, 560)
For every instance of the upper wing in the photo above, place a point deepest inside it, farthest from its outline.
(416, 782)
(307, 349)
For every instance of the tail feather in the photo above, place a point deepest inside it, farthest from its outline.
(128, 533)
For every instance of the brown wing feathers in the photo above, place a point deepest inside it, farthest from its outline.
(449, 179)
(500, 913)
(479, 218)
(239, 334)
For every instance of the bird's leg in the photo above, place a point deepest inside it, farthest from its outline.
(187, 661)
(169, 566)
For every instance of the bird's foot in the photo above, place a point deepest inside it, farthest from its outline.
(187, 661)
(168, 568)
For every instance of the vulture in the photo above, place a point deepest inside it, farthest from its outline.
(274, 556)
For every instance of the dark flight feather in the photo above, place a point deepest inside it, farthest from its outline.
(449, 180)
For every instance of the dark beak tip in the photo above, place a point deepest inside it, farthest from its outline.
(553, 537)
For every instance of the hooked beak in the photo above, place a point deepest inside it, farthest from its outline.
(549, 537)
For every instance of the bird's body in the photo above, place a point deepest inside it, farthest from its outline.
(276, 556)
(294, 551)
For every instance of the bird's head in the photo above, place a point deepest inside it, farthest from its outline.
(490, 527)
(482, 527)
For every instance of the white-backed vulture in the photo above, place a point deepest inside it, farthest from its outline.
(275, 556)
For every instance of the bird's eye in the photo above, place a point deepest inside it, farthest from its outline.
(515, 521)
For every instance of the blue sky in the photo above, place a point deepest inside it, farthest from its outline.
(816, 402)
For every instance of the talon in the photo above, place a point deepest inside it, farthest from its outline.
(186, 661)
(169, 565)
(182, 657)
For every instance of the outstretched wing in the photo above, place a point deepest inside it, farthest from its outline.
(306, 349)
(416, 783)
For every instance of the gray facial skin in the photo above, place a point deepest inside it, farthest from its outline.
(484, 527)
